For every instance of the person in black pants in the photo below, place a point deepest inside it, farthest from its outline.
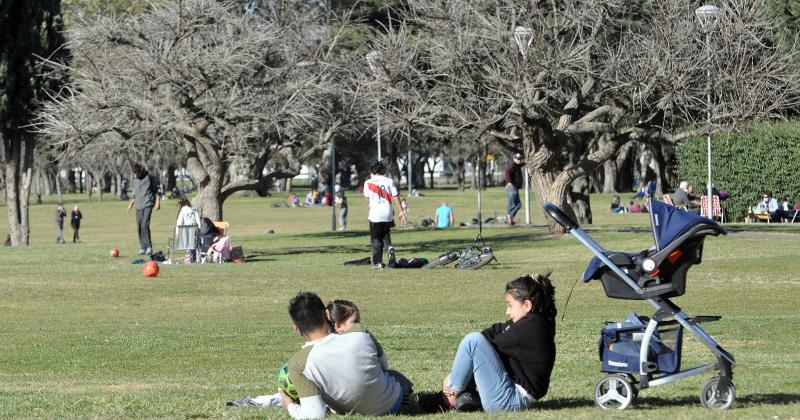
(145, 198)
(379, 191)
(75, 222)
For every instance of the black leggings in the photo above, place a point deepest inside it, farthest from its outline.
(76, 237)
(379, 236)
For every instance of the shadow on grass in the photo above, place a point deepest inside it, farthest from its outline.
(429, 402)
(742, 400)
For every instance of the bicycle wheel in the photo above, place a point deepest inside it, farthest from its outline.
(475, 262)
(443, 259)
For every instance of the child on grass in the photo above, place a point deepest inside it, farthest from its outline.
(343, 316)
(510, 363)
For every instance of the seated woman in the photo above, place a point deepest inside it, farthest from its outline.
(616, 206)
(220, 249)
(509, 363)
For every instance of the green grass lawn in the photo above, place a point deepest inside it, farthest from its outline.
(85, 335)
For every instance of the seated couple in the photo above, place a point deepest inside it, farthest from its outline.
(504, 368)
(777, 212)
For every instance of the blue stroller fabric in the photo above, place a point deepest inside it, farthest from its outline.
(619, 351)
(669, 223)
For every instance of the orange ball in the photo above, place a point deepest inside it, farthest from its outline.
(150, 269)
(114, 252)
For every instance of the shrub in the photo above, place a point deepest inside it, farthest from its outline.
(762, 157)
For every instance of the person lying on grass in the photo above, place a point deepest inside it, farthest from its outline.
(342, 372)
(509, 363)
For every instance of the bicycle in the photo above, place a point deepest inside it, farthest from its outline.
(472, 257)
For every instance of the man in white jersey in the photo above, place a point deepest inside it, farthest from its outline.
(342, 372)
(379, 191)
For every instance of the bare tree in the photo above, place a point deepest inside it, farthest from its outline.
(225, 89)
(593, 76)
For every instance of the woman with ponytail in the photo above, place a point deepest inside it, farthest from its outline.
(510, 362)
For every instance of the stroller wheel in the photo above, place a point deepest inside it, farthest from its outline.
(614, 391)
(713, 396)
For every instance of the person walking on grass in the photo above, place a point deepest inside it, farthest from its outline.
(513, 176)
(75, 222)
(379, 191)
(61, 213)
(145, 198)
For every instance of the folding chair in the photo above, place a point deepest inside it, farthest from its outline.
(222, 227)
(717, 212)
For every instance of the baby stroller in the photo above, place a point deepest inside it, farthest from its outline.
(643, 352)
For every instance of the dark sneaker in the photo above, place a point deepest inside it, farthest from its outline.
(431, 402)
(468, 401)
(244, 402)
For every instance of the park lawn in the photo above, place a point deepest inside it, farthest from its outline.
(85, 335)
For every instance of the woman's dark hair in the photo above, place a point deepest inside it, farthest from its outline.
(539, 290)
(341, 310)
(184, 202)
(377, 168)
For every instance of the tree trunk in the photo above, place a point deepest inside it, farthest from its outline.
(610, 171)
(89, 179)
(81, 182)
(117, 184)
(106, 182)
(579, 200)
(460, 174)
(37, 175)
(172, 182)
(431, 171)
(72, 187)
(58, 186)
(206, 168)
(47, 176)
(391, 157)
(18, 177)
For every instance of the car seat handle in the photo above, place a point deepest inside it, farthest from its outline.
(559, 216)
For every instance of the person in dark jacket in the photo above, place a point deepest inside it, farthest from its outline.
(75, 222)
(513, 176)
(510, 363)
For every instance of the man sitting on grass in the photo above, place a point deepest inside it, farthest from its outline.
(340, 371)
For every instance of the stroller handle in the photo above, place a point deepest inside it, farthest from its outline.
(559, 216)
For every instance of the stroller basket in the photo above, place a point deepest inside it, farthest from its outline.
(620, 343)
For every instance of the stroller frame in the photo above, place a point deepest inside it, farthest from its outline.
(618, 390)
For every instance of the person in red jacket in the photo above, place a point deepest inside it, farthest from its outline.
(513, 176)
(509, 363)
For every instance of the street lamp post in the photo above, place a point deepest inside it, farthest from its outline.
(372, 60)
(332, 184)
(524, 37)
(708, 16)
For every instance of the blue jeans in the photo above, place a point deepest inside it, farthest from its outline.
(514, 204)
(477, 358)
